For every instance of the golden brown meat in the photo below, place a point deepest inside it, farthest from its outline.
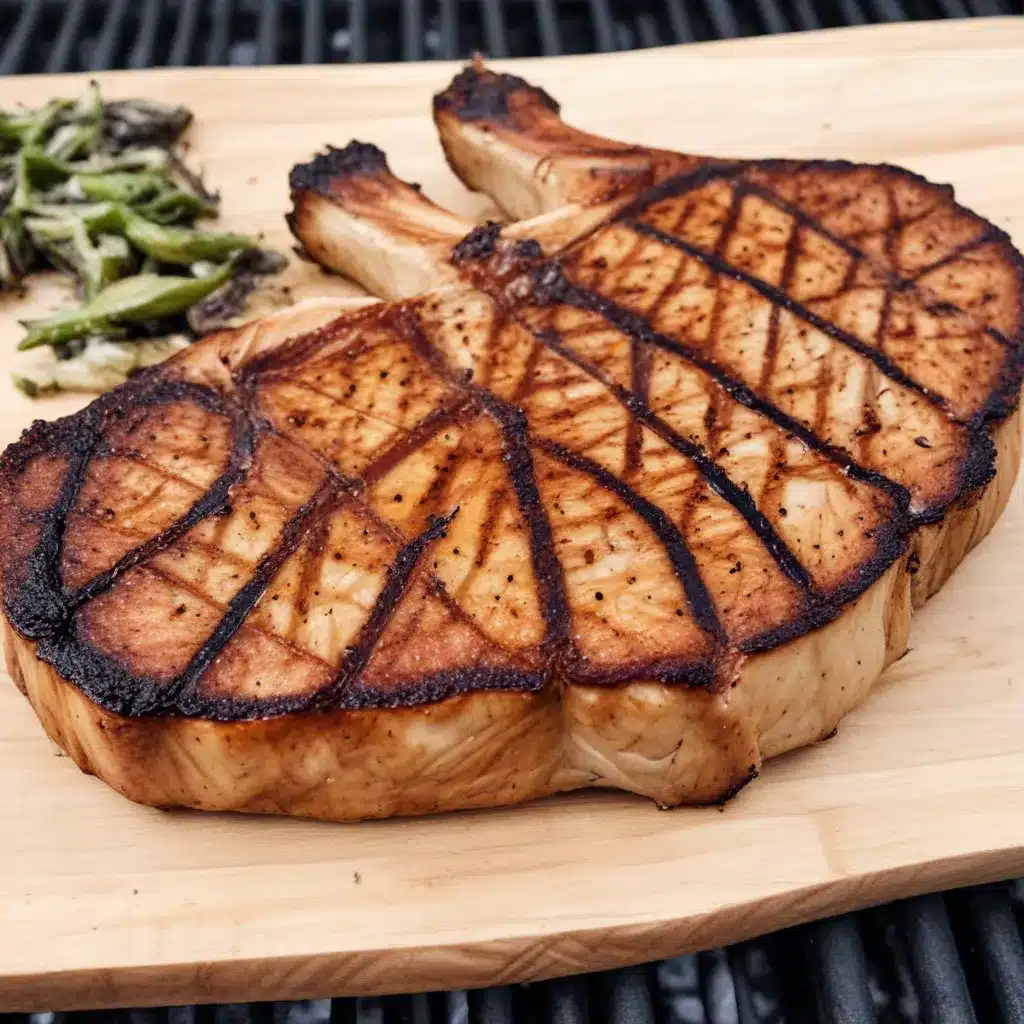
(635, 493)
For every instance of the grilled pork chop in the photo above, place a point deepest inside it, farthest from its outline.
(635, 493)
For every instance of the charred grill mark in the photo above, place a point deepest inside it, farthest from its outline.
(428, 427)
(181, 691)
(785, 281)
(525, 386)
(400, 575)
(514, 428)
(495, 501)
(42, 607)
(316, 542)
(683, 563)
(744, 395)
(689, 181)
(898, 282)
(640, 384)
(211, 503)
(312, 388)
(989, 234)
(39, 607)
(715, 476)
(546, 566)
(772, 345)
(780, 299)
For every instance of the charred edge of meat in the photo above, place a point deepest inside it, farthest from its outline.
(505, 258)
(480, 243)
(113, 686)
(891, 542)
(692, 674)
(979, 465)
(989, 232)
(689, 181)
(40, 607)
(726, 797)
(476, 94)
(355, 159)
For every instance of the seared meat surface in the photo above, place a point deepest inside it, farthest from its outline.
(633, 493)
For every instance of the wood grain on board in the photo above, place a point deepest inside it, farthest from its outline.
(104, 903)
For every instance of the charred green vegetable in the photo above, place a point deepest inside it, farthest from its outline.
(99, 191)
(138, 299)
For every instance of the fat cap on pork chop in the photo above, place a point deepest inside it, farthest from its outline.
(635, 492)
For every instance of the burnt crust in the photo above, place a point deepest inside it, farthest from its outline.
(354, 160)
(476, 94)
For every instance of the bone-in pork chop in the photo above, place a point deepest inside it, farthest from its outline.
(635, 492)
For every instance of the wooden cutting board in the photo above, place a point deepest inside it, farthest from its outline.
(104, 903)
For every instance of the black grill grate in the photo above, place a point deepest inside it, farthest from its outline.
(90, 35)
(953, 959)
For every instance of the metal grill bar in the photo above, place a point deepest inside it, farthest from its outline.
(220, 33)
(60, 55)
(629, 997)
(682, 27)
(994, 930)
(492, 1006)
(604, 30)
(566, 1002)
(412, 30)
(547, 27)
(494, 28)
(934, 961)
(359, 46)
(343, 1011)
(141, 55)
(889, 10)
(312, 31)
(723, 17)
(837, 955)
(805, 15)
(852, 13)
(268, 42)
(449, 29)
(773, 19)
(746, 1012)
(14, 48)
(103, 53)
(184, 33)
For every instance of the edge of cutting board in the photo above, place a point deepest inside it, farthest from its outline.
(134, 907)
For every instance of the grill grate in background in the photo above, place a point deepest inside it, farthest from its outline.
(945, 959)
(89, 35)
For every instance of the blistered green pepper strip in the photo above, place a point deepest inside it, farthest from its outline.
(113, 259)
(16, 252)
(120, 186)
(178, 245)
(95, 216)
(173, 204)
(134, 299)
(68, 240)
(31, 128)
(42, 168)
(21, 197)
(80, 136)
